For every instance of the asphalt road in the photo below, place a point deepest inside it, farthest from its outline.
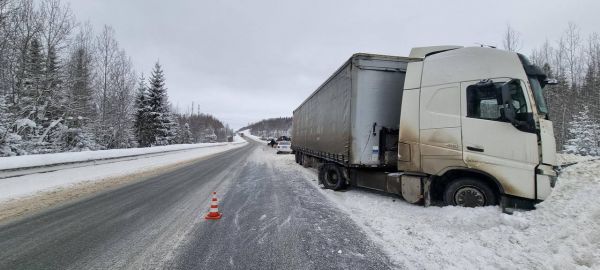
(272, 219)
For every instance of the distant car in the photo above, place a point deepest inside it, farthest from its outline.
(263, 138)
(283, 138)
(284, 147)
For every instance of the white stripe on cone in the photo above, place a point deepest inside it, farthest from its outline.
(213, 212)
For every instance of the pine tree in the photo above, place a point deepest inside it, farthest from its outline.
(160, 117)
(177, 131)
(80, 86)
(52, 101)
(53, 95)
(583, 132)
(143, 129)
(32, 82)
(186, 134)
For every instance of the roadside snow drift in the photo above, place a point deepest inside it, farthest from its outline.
(15, 187)
(563, 233)
(68, 157)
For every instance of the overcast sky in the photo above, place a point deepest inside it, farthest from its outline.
(243, 61)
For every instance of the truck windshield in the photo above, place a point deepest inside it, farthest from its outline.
(535, 74)
(537, 89)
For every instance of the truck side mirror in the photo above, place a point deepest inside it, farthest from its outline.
(508, 109)
(550, 82)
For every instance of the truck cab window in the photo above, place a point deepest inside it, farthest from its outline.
(519, 99)
(482, 102)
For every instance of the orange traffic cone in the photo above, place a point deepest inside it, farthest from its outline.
(213, 213)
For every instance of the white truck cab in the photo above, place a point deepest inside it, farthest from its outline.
(477, 114)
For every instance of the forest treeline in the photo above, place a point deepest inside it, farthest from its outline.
(66, 87)
(272, 127)
(574, 103)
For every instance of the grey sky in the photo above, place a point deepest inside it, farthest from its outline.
(247, 60)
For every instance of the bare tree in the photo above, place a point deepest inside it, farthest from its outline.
(559, 56)
(107, 51)
(121, 101)
(543, 55)
(574, 51)
(591, 81)
(57, 23)
(512, 39)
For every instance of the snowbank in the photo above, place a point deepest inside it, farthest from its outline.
(16, 162)
(21, 186)
(563, 233)
(565, 159)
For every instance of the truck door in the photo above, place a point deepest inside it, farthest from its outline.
(440, 130)
(493, 145)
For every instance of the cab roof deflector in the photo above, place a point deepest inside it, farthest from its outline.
(421, 52)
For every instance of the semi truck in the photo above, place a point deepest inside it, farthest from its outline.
(448, 125)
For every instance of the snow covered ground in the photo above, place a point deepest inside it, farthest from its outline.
(17, 187)
(563, 233)
(566, 159)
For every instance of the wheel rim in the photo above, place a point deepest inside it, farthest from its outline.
(469, 197)
(331, 177)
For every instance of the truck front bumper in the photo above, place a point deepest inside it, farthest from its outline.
(545, 180)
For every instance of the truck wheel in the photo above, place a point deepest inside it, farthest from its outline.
(331, 177)
(297, 157)
(468, 192)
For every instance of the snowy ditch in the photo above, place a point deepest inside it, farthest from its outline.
(562, 233)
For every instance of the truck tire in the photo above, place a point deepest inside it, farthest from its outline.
(469, 192)
(297, 157)
(331, 177)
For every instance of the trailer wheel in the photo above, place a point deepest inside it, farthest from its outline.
(469, 192)
(297, 157)
(331, 177)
